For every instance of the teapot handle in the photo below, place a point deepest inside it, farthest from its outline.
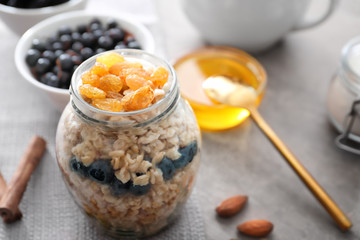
(308, 23)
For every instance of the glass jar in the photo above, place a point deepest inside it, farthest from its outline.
(343, 99)
(129, 171)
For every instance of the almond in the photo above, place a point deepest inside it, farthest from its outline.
(231, 205)
(256, 228)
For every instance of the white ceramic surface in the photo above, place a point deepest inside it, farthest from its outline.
(252, 25)
(19, 20)
(48, 27)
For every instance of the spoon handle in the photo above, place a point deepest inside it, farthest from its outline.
(335, 212)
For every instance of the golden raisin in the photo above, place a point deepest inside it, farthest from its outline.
(139, 99)
(138, 71)
(114, 95)
(134, 81)
(160, 76)
(117, 68)
(108, 104)
(111, 83)
(92, 79)
(99, 69)
(110, 59)
(91, 92)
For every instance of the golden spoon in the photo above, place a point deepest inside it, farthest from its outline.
(228, 92)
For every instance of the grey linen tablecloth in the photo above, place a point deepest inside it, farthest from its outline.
(48, 209)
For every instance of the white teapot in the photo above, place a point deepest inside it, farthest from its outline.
(252, 25)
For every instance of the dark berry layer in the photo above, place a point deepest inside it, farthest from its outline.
(102, 171)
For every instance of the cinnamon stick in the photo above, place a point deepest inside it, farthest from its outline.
(11, 199)
(3, 188)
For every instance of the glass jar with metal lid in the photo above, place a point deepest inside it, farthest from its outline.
(343, 99)
(131, 171)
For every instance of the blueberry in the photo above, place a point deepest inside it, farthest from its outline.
(99, 50)
(81, 28)
(78, 167)
(77, 46)
(139, 190)
(86, 53)
(65, 79)
(134, 45)
(57, 46)
(95, 26)
(116, 34)
(65, 62)
(77, 59)
(105, 42)
(64, 29)
(39, 45)
(111, 23)
(88, 39)
(66, 40)
(180, 162)
(49, 55)
(71, 52)
(42, 65)
(101, 171)
(75, 67)
(167, 167)
(94, 20)
(43, 3)
(98, 33)
(32, 56)
(187, 155)
(120, 45)
(55, 70)
(58, 53)
(16, 3)
(76, 36)
(118, 188)
(190, 151)
(52, 79)
(52, 39)
(44, 78)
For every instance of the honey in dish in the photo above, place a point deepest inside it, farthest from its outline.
(193, 69)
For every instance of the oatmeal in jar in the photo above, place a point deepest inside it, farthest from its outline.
(127, 144)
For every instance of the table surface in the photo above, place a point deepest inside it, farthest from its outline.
(242, 160)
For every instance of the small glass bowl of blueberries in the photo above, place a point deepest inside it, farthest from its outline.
(52, 61)
(50, 57)
(20, 15)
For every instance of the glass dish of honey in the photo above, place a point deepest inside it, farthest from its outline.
(194, 68)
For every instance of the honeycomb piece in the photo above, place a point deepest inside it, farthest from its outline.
(139, 99)
(99, 69)
(110, 59)
(114, 95)
(92, 79)
(111, 83)
(108, 104)
(159, 77)
(91, 92)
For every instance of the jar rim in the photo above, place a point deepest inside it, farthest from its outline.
(74, 86)
(350, 72)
